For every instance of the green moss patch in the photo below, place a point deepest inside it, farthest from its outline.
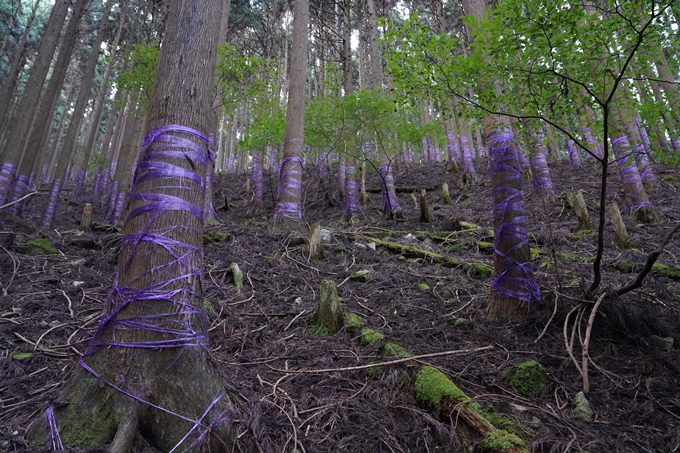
(369, 336)
(352, 321)
(393, 349)
(528, 378)
(40, 247)
(501, 441)
(478, 270)
(432, 386)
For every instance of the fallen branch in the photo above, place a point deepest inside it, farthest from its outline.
(388, 363)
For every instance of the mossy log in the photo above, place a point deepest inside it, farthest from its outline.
(621, 237)
(413, 252)
(578, 205)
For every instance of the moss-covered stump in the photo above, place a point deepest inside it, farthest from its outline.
(314, 248)
(446, 196)
(237, 275)
(578, 205)
(621, 237)
(327, 318)
(528, 378)
(501, 441)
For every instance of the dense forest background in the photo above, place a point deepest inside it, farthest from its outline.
(501, 172)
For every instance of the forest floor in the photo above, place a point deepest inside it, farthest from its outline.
(291, 385)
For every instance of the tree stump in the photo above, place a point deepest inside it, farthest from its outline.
(86, 219)
(314, 249)
(424, 208)
(327, 318)
(621, 238)
(238, 276)
(578, 205)
(446, 196)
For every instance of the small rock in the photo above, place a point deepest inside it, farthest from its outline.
(360, 246)
(77, 262)
(326, 236)
(298, 300)
(371, 245)
(582, 407)
(665, 343)
(42, 323)
(54, 324)
(77, 283)
(409, 237)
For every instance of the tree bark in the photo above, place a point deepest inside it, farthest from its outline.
(148, 365)
(288, 208)
(21, 122)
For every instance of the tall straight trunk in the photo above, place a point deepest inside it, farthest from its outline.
(148, 366)
(88, 144)
(37, 141)
(21, 122)
(74, 126)
(16, 63)
(513, 286)
(288, 207)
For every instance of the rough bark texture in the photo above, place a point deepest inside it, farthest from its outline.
(288, 211)
(148, 366)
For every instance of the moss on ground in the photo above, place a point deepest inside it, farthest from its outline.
(501, 441)
(393, 349)
(352, 321)
(528, 377)
(432, 385)
(478, 270)
(41, 245)
(369, 336)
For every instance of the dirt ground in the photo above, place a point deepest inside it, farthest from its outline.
(51, 303)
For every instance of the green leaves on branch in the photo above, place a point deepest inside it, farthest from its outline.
(139, 72)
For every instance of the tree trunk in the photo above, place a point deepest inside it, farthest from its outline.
(21, 122)
(288, 208)
(147, 367)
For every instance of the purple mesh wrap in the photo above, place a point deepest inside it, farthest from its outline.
(630, 177)
(290, 185)
(642, 156)
(515, 279)
(106, 182)
(19, 189)
(119, 207)
(592, 143)
(543, 185)
(43, 178)
(573, 154)
(389, 195)
(7, 172)
(80, 181)
(341, 174)
(256, 177)
(183, 324)
(111, 201)
(351, 204)
(51, 206)
(437, 154)
(31, 186)
(466, 158)
(54, 429)
(452, 147)
(96, 186)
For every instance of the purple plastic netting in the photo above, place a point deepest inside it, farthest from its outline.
(389, 195)
(54, 429)
(468, 169)
(96, 186)
(630, 177)
(256, 177)
(80, 181)
(452, 147)
(111, 200)
(51, 206)
(19, 189)
(290, 185)
(543, 185)
(185, 324)
(592, 143)
(514, 279)
(351, 204)
(341, 174)
(7, 172)
(119, 207)
(573, 154)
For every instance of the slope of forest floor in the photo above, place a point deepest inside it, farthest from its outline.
(269, 358)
